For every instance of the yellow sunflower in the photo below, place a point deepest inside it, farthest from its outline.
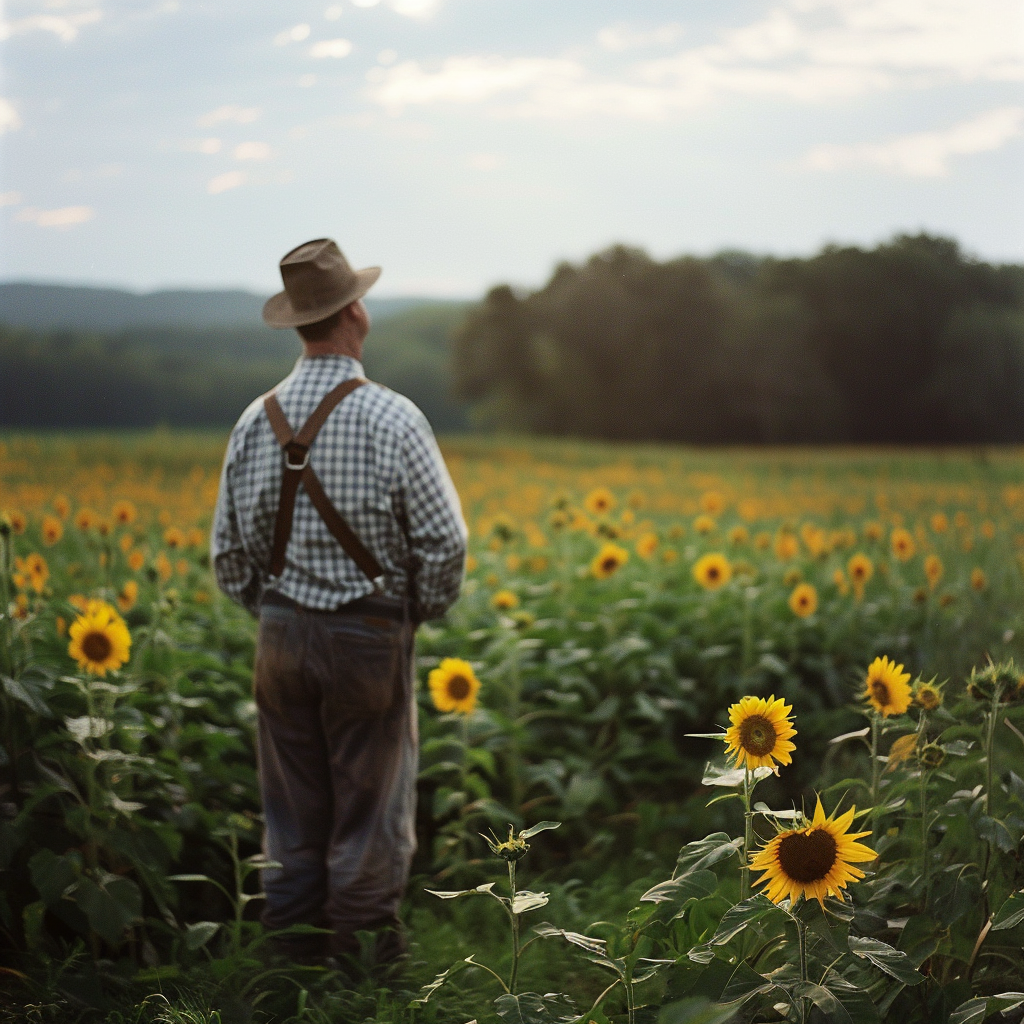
(100, 640)
(902, 544)
(814, 861)
(646, 544)
(933, 570)
(928, 696)
(860, 569)
(712, 571)
(760, 732)
(504, 600)
(52, 530)
(454, 686)
(803, 601)
(608, 560)
(886, 687)
(599, 501)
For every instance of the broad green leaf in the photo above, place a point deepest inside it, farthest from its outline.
(692, 886)
(790, 815)
(1010, 914)
(455, 894)
(735, 920)
(190, 878)
(975, 1011)
(715, 775)
(199, 934)
(893, 962)
(18, 691)
(54, 875)
(547, 931)
(696, 1011)
(859, 734)
(524, 900)
(428, 990)
(88, 728)
(826, 1001)
(541, 826)
(744, 984)
(706, 852)
(533, 1008)
(112, 905)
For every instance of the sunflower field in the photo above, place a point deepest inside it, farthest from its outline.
(710, 736)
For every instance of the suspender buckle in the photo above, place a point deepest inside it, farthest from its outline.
(299, 451)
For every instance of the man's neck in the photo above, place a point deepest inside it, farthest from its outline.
(312, 350)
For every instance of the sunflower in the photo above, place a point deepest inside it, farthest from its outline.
(927, 696)
(812, 861)
(128, 596)
(136, 560)
(739, 535)
(978, 579)
(504, 600)
(174, 538)
(100, 640)
(646, 544)
(786, 546)
(933, 570)
(85, 519)
(61, 506)
(712, 502)
(125, 513)
(599, 501)
(454, 686)
(803, 601)
(760, 732)
(902, 544)
(940, 522)
(712, 571)
(885, 687)
(52, 529)
(842, 584)
(608, 560)
(704, 525)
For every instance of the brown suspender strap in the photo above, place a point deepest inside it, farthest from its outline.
(297, 469)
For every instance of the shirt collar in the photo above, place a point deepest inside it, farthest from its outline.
(341, 366)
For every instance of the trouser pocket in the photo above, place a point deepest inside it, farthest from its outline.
(361, 667)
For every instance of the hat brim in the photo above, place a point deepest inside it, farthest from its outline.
(278, 310)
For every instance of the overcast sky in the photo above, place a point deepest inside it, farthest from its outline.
(459, 143)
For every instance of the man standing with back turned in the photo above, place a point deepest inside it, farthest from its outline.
(338, 525)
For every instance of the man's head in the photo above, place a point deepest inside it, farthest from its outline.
(341, 333)
(322, 299)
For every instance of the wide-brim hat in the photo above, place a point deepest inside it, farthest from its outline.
(318, 281)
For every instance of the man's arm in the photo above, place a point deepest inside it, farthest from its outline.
(436, 530)
(236, 576)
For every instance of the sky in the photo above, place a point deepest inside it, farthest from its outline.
(463, 143)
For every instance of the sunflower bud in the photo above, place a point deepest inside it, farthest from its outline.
(927, 696)
(931, 755)
(996, 681)
(512, 849)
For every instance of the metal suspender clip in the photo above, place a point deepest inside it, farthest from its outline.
(300, 450)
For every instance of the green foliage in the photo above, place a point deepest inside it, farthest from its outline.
(732, 349)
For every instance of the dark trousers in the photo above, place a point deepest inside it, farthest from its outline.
(337, 752)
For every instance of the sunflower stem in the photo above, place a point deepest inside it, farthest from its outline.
(515, 928)
(924, 831)
(875, 774)
(748, 834)
(801, 932)
(990, 736)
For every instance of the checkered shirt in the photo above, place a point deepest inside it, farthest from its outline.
(378, 462)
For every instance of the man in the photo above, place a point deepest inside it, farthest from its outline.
(338, 525)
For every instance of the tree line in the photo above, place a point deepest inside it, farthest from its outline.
(910, 342)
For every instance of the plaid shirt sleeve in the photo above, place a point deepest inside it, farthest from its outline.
(434, 525)
(235, 574)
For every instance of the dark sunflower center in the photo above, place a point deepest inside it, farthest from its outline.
(880, 691)
(458, 687)
(609, 564)
(758, 736)
(713, 572)
(808, 857)
(96, 646)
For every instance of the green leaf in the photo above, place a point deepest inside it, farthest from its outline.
(16, 690)
(549, 931)
(199, 934)
(428, 990)
(974, 1011)
(696, 1011)
(533, 1008)
(455, 894)
(541, 826)
(53, 875)
(996, 832)
(826, 1001)
(190, 878)
(704, 853)
(112, 905)
(744, 984)
(525, 900)
(893, 962)
(694, 885)
(738, 917)
(1010, 914)
(715, 775)
(858, 735)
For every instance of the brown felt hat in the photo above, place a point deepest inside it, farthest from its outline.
(318, 281)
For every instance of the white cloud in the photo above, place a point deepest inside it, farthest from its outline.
(64, 27)
(229, 112)
(10, 198)
(484, 161)
(330, 48)
(799, 50)
(65, 217)
(334, 12)
(295, 34)
(207, 146)
(415, 8)
(365, 3)
(617, 38)
(386, 57)
(307, 81)
(252, 151)
(224, 182)
(9, 119)
(924, 154)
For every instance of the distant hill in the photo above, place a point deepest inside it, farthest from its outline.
(55, 307)
(91, 357)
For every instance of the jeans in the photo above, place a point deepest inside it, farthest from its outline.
(337, 752)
